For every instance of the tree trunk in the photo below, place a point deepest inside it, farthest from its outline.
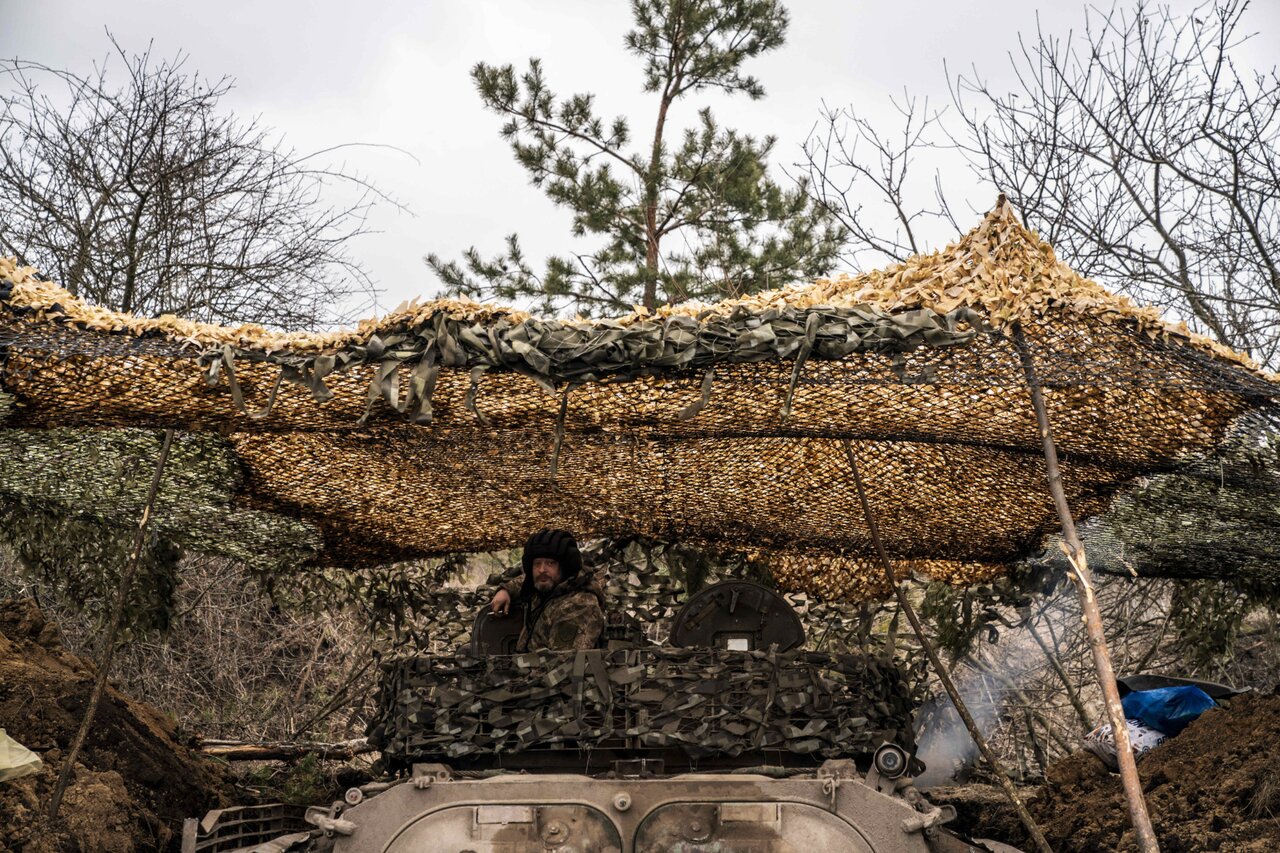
(651, 255)
(1144, 834)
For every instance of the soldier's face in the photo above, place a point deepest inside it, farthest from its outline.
(546, 573)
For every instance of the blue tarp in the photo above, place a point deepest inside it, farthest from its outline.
(1168, 709)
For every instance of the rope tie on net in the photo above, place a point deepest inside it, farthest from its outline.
(704, 397)
(806, 347)
(559, 434)
(470, 400)
(227, 361)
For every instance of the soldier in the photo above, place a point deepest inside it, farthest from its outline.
(564, 606)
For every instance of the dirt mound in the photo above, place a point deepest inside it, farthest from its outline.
(134, 781)
(1216, 786)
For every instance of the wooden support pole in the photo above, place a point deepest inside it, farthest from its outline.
(113, 628)
(1138, 816)
(945, 677)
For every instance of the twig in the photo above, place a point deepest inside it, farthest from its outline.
(231, 750)
(113, 628)
(1056, 666)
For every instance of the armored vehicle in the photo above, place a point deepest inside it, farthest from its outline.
(728, 738)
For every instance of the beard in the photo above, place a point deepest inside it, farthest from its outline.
(543, 584)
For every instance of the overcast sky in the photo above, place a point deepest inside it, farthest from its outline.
(396, 72)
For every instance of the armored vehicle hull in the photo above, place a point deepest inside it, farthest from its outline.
(737, 740)
(833, 809)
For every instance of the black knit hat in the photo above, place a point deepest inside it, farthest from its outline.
(559, 545)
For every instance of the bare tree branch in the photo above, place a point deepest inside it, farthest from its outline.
(131, 188)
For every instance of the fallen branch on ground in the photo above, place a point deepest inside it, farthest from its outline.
(232, 750)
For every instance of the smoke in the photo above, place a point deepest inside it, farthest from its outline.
(943, 743)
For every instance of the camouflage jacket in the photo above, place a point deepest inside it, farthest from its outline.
(569, 617)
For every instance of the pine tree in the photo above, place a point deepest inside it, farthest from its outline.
(698, 218)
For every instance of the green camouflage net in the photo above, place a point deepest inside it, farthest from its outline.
(704, 702)
(104, 475)
(1212, 518)
(636, 582)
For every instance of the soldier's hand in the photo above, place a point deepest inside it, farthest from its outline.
(501, 604)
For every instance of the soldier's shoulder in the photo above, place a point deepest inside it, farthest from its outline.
(581, 599)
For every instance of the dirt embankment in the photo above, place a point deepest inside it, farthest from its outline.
(134, 781)
(1216, 786)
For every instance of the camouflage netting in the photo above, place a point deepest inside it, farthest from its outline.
(454, 427)
(636, 582)
(1212, 518)
(704, 702)
(105, 474)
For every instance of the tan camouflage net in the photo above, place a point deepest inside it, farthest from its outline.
(451, 426)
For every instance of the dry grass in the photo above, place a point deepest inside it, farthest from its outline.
(1265, 799)
(232, 665)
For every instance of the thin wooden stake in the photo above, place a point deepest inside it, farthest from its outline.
(1138, 816)
(948, 685)
(113, 628)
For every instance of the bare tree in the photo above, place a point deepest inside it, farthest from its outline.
(144, 196)
(850, 164)
(1140, 149)
(1149, 158)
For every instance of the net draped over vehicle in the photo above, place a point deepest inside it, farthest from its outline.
(452, 426)
(704, 702)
